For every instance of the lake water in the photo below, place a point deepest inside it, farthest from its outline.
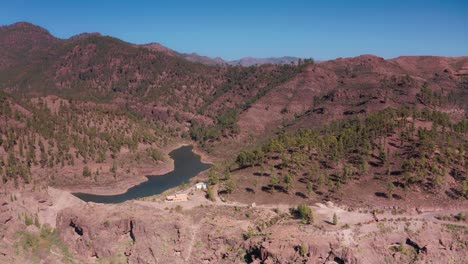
(186, 165)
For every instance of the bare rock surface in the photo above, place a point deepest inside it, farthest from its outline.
(200, 231)
(138, 233)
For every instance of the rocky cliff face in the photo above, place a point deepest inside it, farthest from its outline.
(136, 233)
(153, 232)
(124, 236)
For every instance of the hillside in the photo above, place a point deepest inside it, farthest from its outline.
(328, 101)
(51, 141)
(223, 108)
(396, 156)
(353, 88)
(100, 68)
(307, 155)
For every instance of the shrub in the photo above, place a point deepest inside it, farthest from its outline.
(250, 233)
(230, 186)
(213, 177)
(210, 194)
(155, 154)
(460, 217)
(303, 249)
(36, 221)
(305, 213)
(310, 189)
(86, 171)
(28, 220)
(335, 219)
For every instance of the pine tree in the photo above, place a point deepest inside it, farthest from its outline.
(213, 177)
(114, 167)
(230, 186)
(210, 194)
(288, 181)
(335, 219)
(305, 213)
(310, 189)
(391, 189)
(86, 171)
(274, 181)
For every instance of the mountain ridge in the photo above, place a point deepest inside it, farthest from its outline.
(194, 57)
(384, 139)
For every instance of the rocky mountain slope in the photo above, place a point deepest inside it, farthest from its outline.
(171, 89)
(51, 141)
(381, 138)
(216, 232)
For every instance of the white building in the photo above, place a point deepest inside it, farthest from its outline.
(201, 186)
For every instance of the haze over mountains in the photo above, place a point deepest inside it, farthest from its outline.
(245, 62)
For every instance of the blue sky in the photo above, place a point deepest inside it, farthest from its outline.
(323, 29)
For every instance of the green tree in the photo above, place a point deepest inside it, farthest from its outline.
(391, 189)
(322, 178)
(382, 154)
(439, 180)
(86, 171)
(335, 219)
(210, 194)
(36, 221)
(304, 249)
(274, 181)
(305, 213)
(288, 182)
(364, 166)
(245, 159)
(227, 176)
(310, 189)
(258, 156)
(230, 186)
(465, 188)
(213, 177)
(114, 167)
(28, 220)
(155, 154)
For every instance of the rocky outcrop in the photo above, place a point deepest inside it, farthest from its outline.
(289, 251)
(5, 215)
(137, 238)
(147, 232)
(131, 233)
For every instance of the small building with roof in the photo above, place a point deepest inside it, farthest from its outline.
(201, 186)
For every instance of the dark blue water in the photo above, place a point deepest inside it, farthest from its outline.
(186, 165)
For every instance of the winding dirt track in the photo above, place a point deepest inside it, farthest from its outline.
(432, 217)
(322, 210)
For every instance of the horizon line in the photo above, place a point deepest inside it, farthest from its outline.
(220, 57)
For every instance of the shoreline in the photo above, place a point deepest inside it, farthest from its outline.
(122, 186)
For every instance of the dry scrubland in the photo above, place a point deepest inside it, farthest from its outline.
(354, 160)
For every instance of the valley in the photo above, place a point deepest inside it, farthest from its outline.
(351, 160)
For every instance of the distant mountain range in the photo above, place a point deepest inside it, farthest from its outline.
(245, 62)
(249, 61)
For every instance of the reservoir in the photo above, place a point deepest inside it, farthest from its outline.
(186, 165)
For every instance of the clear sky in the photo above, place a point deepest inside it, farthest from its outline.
(322, 29)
